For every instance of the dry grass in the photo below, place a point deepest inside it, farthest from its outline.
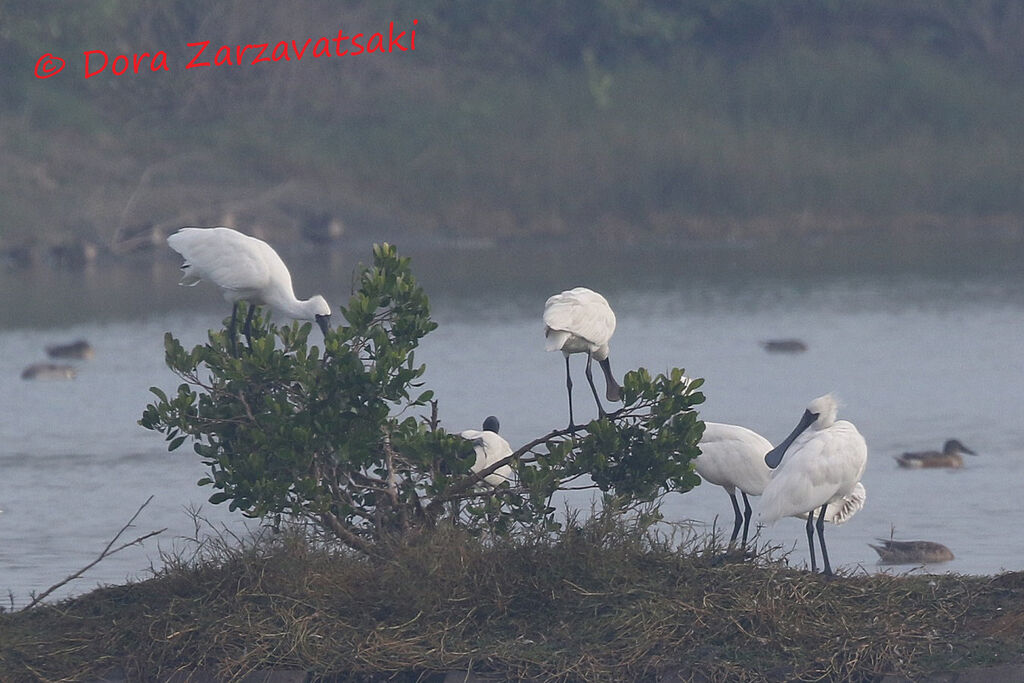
(602, 603)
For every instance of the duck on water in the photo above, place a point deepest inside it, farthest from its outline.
(911, 552)
(952, 455)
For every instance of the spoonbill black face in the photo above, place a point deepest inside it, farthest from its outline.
(773, 457)
(324, 321)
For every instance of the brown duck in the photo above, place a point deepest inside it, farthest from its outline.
(911, 552)
(951, 456)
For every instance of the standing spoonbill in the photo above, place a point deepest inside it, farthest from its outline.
(733, 457)
(490, 448)
(824, 461)
(245, 269)
(581, 321)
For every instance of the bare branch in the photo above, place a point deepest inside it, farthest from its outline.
(107, 552)
(345, 534)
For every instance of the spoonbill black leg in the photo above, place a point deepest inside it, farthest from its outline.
(737, 519)
(747, 513)
(821, 539)
(810, 539)
(247, 329)
(593, 389)
(232, 331)
(568, 387)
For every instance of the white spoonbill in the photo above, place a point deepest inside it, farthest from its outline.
(733, 457)
(490, 448)
(841, 510)
(581, 321)
(245, 269)
(824, 461)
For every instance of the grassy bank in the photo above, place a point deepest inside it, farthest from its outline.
(599, 604)
(727, 119)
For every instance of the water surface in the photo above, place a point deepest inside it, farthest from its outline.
(920, 341)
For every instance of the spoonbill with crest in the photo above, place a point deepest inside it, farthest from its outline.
(733, 457)
(820, 462)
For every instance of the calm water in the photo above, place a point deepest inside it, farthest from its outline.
(920, 343)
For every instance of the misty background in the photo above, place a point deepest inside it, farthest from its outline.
(575, 119)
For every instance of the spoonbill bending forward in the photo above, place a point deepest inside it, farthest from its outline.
(821, 462)
(733, 457)
(245, 269)
(581, 321)
(490, 448)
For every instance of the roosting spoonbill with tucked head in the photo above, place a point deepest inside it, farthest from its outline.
(821, 462)
(733, 457)
(245, 269)
(490, 447)
(581, 321)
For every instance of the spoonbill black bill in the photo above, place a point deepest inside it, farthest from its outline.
(581, 321)
(820, 462)
(490, 447)
(245, 269)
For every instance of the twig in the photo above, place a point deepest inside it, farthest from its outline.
(107, 552)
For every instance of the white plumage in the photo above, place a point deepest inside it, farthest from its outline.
(733, 457)
(581, 321)
(245, 269)
(824, 461)
(840, 511)
(490, 447)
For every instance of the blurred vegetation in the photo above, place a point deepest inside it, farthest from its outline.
(602, 601)
(650, 119)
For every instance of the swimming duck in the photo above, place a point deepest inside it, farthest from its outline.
(911, 552)
(48, 371)
(951, 456)
(80, 350)
(784, 346)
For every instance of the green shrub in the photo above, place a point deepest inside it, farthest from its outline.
(340, 437)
